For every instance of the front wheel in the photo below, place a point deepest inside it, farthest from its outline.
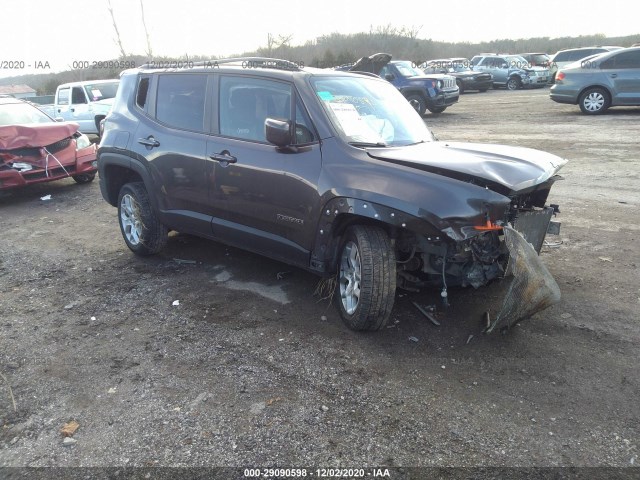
(437, 109)
(366, 284)
(142, 231)
(84, 178)
(594, 101)
(460, 88)
(418, 103)
(514, 83)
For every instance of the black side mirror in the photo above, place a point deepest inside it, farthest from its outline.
(390, 77)
(278, 132)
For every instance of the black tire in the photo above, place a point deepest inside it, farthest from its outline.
(594, 101)
(418, 103)
(482, 90)
(460, 87)
(142, 231)
(514, 83)
(366, 261)
(99, 119)
(84, 178)
(437, 109)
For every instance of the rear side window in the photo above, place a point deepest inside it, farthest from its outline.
(63, 96)
(623, 60)
(180, 100)
(141, 94)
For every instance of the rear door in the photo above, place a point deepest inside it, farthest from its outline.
(63, 99)
(172, 137)
(623, 72)
(269, 194)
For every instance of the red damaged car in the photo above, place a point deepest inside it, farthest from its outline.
(34, 148)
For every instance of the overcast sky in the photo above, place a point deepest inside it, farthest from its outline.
(63, 31)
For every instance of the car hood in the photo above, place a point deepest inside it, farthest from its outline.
(35, 135)
(513, 168)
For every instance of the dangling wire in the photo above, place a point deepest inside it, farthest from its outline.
(46, 164)
(444, 294)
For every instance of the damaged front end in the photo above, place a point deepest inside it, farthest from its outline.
(44, 152)
(476, 255)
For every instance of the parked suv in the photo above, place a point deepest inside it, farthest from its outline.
(433, 91)
(511, 71)
(333, 172)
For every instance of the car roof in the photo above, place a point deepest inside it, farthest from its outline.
(89, 82)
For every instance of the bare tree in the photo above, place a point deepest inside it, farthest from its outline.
(149, 52)
(115, 27)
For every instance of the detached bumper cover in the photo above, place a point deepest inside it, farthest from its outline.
(532, 289)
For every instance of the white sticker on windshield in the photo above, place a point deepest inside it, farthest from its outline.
(351, 121)
(96, 93)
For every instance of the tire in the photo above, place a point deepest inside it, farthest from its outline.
(482, 90)
(594, 101)
(514, 83)
(142, 231)
(418, 103)
(460, 88)
(84, 178)
(98, 120)
(366, 286)
(437, 109)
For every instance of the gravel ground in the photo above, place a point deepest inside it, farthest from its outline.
(252, 369)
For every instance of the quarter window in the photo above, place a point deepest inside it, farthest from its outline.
(180, 100)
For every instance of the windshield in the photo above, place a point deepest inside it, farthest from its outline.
(369, 111)
(406, 69)
(21, 114)
(100, 91)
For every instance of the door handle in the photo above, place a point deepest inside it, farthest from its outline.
(149, 142)
(73, 109)
(614, 75)
(223, 157)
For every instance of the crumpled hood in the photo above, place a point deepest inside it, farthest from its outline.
(35, 135)
(515, 168)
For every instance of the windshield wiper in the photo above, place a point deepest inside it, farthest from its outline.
(368, 144)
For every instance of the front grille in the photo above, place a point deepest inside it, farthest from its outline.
(449, 82)
(35, 151)
(483, 76)
(53, 172)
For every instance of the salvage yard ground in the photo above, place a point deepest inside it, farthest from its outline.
(249, 368)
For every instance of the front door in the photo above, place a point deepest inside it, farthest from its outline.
(270, 194)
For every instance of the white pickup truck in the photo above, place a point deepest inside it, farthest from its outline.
(86, 103)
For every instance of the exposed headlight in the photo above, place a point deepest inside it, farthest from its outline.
(440, 84)
(82, 141)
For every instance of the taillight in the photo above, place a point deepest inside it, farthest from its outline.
(560, 76)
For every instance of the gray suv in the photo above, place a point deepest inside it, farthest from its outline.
(597, 83)
(511, 71)
(333, 172)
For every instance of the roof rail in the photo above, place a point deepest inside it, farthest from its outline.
(245, 62)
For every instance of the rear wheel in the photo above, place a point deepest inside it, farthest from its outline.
(366, 284)
(594, 101)
(142, 231)
(418, 102)
(460, 87)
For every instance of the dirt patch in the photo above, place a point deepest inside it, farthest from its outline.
(266, 374)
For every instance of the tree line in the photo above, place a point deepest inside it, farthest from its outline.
(337, 49)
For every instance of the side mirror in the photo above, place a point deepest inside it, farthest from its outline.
(390, 77)
(59, 119)
(504, 65)
(278, 132)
